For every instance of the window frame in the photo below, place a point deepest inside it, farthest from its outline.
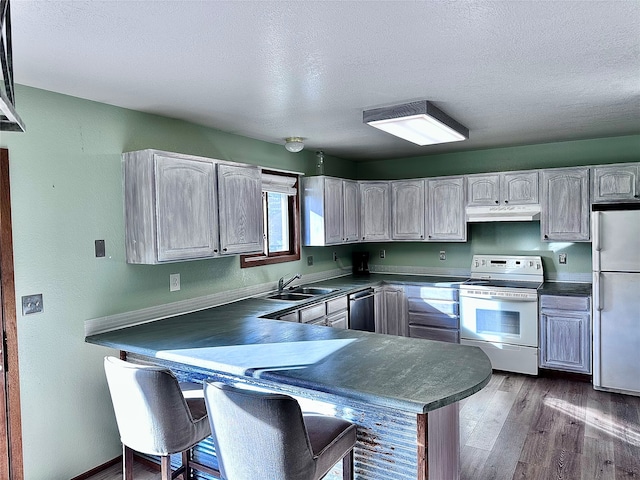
(293, 254)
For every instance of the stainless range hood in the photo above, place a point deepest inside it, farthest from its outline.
(503, 213)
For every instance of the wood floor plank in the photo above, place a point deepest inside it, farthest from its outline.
(486, 433)
(597, 459)
(503, 458)
(598, 417)
(625, 436)
(474, 460)
(476, 405)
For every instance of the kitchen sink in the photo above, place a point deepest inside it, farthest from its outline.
(313, 290)
(290, 296)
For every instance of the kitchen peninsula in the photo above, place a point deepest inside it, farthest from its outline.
(401, 392)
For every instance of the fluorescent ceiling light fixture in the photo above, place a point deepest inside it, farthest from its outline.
(418, 122)
(294, 144)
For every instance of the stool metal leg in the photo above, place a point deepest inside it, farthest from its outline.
(347, 466)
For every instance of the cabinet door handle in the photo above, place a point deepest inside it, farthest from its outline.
(506, 201)
(497, 202)
(224, 249)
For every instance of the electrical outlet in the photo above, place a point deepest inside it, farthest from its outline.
(310, 260)
(335, 257)
(174, 282)
(562, 258)
(443, 255)
(382, 254)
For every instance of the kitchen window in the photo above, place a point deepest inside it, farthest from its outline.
(281, 221)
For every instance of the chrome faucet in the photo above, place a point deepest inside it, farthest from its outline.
(282, 283)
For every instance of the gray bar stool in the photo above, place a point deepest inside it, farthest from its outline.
(265, 435)
(156, 415)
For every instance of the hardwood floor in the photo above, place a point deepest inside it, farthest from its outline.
(526, 428)
(521, 427)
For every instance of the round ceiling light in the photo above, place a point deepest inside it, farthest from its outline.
(294, 144)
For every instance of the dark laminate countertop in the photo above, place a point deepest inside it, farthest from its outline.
(409, 374)
(565, 289)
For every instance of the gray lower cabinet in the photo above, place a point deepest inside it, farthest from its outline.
(407, 210)
(375, 205)
(565, 205)
(394, 317)
(565, 333)
(332, 313)
(615, 183)
(182, 207)
(445, 210)
(433, 313)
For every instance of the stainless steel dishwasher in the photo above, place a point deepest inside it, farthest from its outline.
(361, 311)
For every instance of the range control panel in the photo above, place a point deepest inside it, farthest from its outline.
(508, 267)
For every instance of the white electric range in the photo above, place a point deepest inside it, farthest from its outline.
(499, 310)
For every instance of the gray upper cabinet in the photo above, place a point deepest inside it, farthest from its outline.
(483, 190)
(334, 211)
(186, 208)
(240, 206)
(170, 207)
(183, 207)
(375, 210)
(519, 188)
(407, 210)
(565, 205)
(508, 188)
(330, 211)
(445, 210)
(615, 183)
(351, 217)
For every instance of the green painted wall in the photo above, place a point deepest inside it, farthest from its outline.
(546, 155)
(512, 238)
(508, 238)
(66, 192)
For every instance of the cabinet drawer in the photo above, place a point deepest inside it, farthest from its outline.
(289, 317)
(434, 320)
(441, 334)
(312, 313)
(561, 302)
(337, 305)
(339, 320)
(434, 293)
(433, 307)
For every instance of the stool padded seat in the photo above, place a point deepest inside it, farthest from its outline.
(260, 434)
(157, 415)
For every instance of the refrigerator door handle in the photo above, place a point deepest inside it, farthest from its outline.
(597, 247)
(597, 293)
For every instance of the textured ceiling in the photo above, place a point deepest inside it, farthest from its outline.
(513, 72)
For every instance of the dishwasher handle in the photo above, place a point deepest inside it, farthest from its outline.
(361, 295)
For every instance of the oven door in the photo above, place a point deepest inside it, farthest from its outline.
(495, 319)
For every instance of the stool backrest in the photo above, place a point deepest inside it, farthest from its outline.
(258, 434)
(151, 412)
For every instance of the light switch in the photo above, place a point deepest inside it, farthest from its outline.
(32, 304)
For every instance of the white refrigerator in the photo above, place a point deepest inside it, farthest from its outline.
(616, 297)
